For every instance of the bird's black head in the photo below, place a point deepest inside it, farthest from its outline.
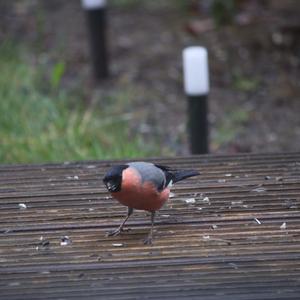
(113, 178)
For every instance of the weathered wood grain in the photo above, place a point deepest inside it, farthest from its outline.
(230, 244)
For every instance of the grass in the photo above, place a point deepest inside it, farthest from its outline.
(245, 84)
(38, 125)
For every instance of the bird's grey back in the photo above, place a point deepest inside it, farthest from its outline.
(149, 172)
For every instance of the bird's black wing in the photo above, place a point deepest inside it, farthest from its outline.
(168, 174)
(176, 175)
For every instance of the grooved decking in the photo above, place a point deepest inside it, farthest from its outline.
(230, 244)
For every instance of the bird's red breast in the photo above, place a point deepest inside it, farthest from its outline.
(140, 195)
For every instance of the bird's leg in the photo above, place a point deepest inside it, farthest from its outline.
(120, 228)
(148, 239)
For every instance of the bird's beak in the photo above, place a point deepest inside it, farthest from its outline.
(110, 186)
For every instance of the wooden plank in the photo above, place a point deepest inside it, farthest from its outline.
(230, 245)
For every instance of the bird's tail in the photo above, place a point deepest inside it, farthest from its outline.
(180, 175)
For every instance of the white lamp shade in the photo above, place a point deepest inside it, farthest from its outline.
(195, 71)
(93, 4)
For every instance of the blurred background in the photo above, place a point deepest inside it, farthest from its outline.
(53, 109)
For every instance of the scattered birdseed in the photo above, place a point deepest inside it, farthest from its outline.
(73, 177)
(91, 167)
(190, 200)
(257, 221)
(259, 190)
(165, 216)
(233, 265)
(206, 200)
(283, 226)
(65, 241)
(22, 206)
(236, 202)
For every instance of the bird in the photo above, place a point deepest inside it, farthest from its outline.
(142, 186)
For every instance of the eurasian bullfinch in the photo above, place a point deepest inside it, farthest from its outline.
(144, 186)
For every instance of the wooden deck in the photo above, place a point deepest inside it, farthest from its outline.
(232, 233)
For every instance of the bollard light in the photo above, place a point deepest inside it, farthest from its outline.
(96, 21)
(196, 86)
(93, 4)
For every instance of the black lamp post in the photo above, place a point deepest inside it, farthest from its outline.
(96, 21)
(196, 85)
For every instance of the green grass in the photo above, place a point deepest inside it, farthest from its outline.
(40, 125)
(245, 84)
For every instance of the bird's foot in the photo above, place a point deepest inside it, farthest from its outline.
(117, 231)
(114, 232)
(148, 240)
